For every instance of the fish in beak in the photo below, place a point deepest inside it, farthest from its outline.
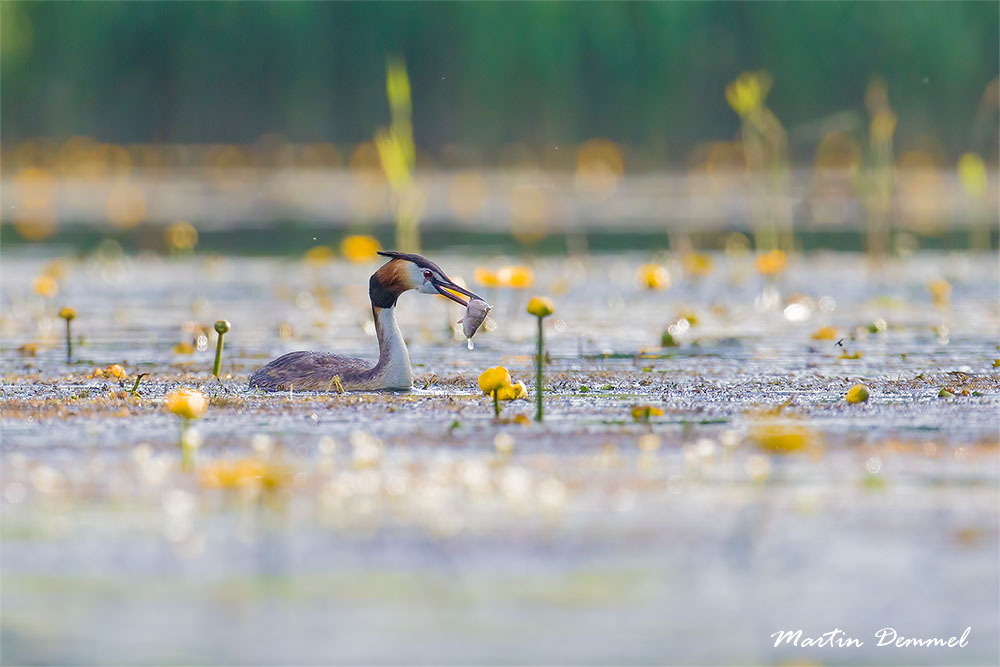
(448, 289)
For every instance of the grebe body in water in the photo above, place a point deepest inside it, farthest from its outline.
(315, 371)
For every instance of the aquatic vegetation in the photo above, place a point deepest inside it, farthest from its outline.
(69, 315)
(45, 285)
(940, 290)
(182, 347)
(512, 392)
(771, 263)
(516, 276)
(881, 173)
(859, 393)
(188, 404)
(397, 156)
(486, 277)
(784, 436)
(541, 308)
(697, 264)
(359, 248)
(335, 382)
(642, 413)
(824, 333)
(180, 236)
(319, 255)
(765, 155)
(652, 276)
(134, 391)
(491, 381)
(221, 328)
(972, 174)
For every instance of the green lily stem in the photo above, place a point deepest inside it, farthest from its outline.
(538, 373)
(496, 404)
(187, 453)
(69, 343)
(218, 357)
(138, 379)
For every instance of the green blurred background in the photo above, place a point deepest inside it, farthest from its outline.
(487, 74)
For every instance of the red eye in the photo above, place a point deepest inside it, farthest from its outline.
(427, 274)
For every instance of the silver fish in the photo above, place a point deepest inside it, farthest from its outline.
(475, 313)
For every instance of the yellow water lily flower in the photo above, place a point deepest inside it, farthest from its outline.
(115, 371)
(539, 306)
(187, 403)
(319, 255)
(494, 379)
(181, 235)
(940, 290)
(747, 93)
(859, 393)
(782, 437)
(771, 263)
(486, 278)
(45, 286)
(697, 264)
(824, 333)
(644, 412)
(360, 247)
(518, 277)
(67, 313)
(512, 392)
(652, 276)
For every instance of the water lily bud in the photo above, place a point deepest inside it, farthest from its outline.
(222, 326)
(187, 403)
(67, 313)
(539, 306)
(494, 379)
(859, 393)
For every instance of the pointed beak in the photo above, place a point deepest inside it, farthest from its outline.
(447, 288)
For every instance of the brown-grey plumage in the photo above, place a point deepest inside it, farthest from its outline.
(315, 371)
(312, 371)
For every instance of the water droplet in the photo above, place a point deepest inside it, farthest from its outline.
(470, 344)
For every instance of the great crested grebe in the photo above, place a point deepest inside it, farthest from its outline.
(315, 371)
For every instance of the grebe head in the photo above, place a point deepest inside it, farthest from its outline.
(406, 271)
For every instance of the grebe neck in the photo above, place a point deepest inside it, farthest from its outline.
(393, 359)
